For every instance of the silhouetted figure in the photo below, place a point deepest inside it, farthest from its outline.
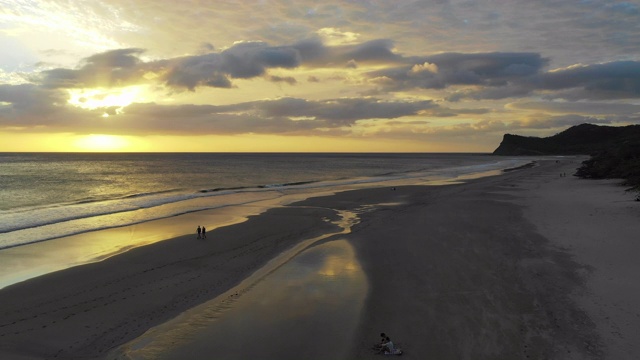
(204, 232)
(199, 231)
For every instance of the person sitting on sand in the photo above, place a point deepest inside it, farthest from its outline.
(379, 347)
(387, 346)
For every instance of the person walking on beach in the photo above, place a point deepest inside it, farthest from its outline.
(199, 231)
(204, 232)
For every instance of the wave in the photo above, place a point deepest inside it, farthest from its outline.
(27, 225)
(131, 196)
(271, 186)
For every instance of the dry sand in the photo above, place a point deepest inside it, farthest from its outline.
(523, 265)
(529, 265)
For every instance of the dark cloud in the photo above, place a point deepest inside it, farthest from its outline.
(614, 80)
(281, 116)
(124, 67)
(287, 79)
(449, 69)
(448, 112)
(247, 60)
(314, 53)
(112, 68)
(190, 72)
(242, 61)
(596, 108)
(205, 119)
(624, 7)
(619, 79)
(27, 102)
(495, 75)
(336, 112)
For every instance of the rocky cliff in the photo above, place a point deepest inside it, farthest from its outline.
(585, 139)
(615, 151)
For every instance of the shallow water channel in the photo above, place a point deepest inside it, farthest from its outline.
(308, 308)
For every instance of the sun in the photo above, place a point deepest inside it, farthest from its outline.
(101, 98)
(101, 143)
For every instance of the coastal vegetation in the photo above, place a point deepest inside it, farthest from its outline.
(614, 151)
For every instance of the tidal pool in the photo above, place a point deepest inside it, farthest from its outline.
(307, 308)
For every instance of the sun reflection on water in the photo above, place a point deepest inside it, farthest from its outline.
(318, 294)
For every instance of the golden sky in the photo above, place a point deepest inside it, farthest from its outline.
(331, 76)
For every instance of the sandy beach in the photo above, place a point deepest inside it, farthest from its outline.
(525, 265)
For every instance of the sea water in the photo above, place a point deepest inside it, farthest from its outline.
(46, 196)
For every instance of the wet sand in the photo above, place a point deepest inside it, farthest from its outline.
(498, 268)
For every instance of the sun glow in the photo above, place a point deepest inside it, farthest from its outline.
(101, 143)
(103, 98)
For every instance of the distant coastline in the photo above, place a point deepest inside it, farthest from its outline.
(614, 151)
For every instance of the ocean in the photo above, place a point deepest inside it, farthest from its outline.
(46, 196)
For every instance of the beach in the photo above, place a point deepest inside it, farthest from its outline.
(527, 264)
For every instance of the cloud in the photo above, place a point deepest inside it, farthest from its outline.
(316, 54)
(450, 69)
(613, 80)
(462, 76)
(428, 67)
(334, 112)
(124, 67)
(592, 108)
(109, 69)
(286, 79)
(333, 36)
(625, 7)
(244, 60)
(280, 116)
(26, 102)
(478, 76)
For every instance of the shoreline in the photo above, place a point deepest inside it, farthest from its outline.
(27, 261)
(472, 270)
(86, 311)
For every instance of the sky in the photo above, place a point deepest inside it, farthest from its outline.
(311, 76)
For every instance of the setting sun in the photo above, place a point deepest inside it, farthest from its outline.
(100, 143)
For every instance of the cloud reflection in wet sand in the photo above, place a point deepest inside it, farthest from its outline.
(308, 307)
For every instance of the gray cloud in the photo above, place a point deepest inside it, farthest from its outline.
(335, 112)
(281, 116)
(286, 79)
(595, 108)
(495, 75)
(449, 69)
(620, 79)
(314, 53)
(614, 80)
(27, 102)
(124, 67)
(242, 61)
(492, 75)
(111, 68)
